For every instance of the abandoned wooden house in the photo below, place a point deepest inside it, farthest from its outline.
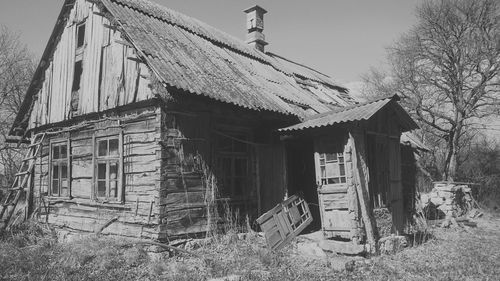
(153, 118)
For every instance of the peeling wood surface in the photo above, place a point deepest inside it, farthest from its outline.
(109, 77)
(137, 216)
(285, 221)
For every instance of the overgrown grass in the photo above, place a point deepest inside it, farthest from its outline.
(31, 253)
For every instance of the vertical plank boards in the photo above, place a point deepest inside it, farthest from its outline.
(361, 178)
(124, 81)
(143, 91)
(131, 76)
(396, 187)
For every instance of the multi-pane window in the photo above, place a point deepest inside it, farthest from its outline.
(108, 168)
(59, 170)
(233, 165)
(332, 168)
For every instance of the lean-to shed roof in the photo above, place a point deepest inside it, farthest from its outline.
(355, 113)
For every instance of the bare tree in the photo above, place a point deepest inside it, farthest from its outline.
(16, 70)
(447, 70)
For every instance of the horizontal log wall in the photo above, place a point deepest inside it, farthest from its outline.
(138, 215)
(184, 192)
(190, 200)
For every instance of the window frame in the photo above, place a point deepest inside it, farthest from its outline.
(234, 156)
(341, 177)
(52, 161)
(331, 146)
(77, 34)
(107, 159)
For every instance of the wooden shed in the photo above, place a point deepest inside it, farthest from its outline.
(157, 119)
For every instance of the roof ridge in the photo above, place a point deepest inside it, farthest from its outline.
(236, 45)
(299, 64)
(218, 37)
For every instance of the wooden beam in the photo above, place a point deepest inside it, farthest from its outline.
(361, 179)
(125, 43)
(110, 26)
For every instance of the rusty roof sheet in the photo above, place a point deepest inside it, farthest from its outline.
(353, 113)
(200, 59)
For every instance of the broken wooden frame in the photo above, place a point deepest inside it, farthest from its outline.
(285, 221)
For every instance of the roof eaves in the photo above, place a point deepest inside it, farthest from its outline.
(329, 118)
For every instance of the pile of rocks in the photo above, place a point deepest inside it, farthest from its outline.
(447, 200)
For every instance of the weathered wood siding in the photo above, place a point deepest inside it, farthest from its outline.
(112, 76)
(409, 179)
(339, 209)
(384, 129)
(185, 193)
(192, 201)
(138, 214)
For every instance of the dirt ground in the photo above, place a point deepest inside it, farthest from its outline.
(32, 253)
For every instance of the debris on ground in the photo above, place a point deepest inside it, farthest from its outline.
(390, 245)
(285, 221)
(446, 200)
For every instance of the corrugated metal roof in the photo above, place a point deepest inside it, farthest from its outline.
(200, 59)
(408, 138)
(351, 113)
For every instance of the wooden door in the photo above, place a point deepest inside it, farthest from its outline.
(331, 176)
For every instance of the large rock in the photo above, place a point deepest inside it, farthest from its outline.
(310, 250)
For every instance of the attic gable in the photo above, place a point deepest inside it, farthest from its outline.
(181, 52)
(87, 67)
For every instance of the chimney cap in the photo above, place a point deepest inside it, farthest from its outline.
(255, 8)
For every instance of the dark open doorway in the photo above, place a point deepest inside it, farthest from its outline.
(302, 178)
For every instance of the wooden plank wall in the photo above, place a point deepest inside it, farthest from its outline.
(190, 200)
(385, 127)
(141, 178)
(112, 75)
(409, 179)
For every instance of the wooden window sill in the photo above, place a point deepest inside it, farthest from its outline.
(88, 202)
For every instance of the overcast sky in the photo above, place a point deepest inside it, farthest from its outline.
(341, 38)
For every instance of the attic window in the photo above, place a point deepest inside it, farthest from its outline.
(77, 76)
(80, 35)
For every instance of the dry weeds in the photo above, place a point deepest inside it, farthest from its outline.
(31, 253)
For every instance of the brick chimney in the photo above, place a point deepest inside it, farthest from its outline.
(255, 26)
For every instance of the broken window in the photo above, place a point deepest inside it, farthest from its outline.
(78, 69)
(59, 170)
(332, 168)
(107, 174)
(80, 35)
(77, 78)
(331, 162)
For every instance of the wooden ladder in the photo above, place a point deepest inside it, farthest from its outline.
(21, 181)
